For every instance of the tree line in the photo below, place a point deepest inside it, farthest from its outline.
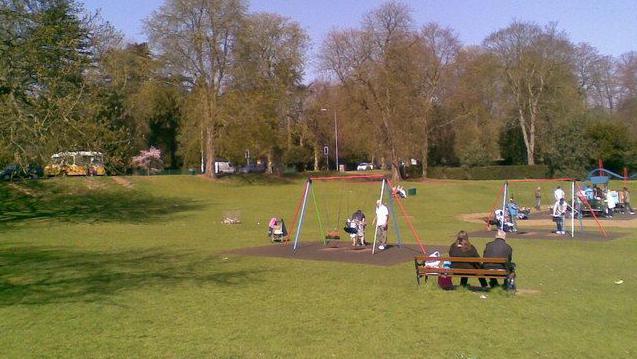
(215, 80)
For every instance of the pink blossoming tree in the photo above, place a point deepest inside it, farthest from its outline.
(149, 160)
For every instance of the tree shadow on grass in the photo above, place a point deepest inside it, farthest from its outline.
(37, 200)
(37, 276)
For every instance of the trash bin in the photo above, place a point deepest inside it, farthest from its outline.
(411, 192)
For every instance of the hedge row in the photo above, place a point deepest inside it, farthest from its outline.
(489, 172)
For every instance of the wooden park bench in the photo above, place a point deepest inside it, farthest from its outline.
(423, 271)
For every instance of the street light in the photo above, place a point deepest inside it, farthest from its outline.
(335, 138)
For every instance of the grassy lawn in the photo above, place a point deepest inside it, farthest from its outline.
(91, 268)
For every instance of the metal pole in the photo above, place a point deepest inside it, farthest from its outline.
(382, 189)
(572, 209)
(336, 140)
(504, 203)
(302, 217)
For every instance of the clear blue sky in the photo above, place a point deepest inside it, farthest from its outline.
(608, 25)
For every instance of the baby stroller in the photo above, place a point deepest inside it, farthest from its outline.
(276, 230)
(501, 221)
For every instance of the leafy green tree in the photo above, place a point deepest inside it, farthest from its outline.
(265, 88)
(49, 61)
(612, 142)
(45, 50)
(196, 39)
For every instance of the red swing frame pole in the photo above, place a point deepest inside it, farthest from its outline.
(493, 207)
(584, 200)
(403, 211)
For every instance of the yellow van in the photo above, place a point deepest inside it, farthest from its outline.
(81, 163)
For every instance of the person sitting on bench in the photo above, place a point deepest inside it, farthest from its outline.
(461, 247)
(498, 248)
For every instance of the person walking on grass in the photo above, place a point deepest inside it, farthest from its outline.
(538, 199)
(382, 218)
(559, 212)
(461, 247)
(499, 248)
(627, 206)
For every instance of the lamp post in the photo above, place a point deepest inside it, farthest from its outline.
(335, 139)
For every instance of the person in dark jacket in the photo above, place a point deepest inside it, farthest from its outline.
(461, 247)
(498, 248)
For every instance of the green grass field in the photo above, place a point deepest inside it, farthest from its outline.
(90, 268)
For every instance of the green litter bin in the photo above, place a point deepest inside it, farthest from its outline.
(411, 192)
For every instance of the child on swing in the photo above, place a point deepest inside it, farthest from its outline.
(357, 228)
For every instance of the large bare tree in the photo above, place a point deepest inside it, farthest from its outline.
(375, 65)
(196, 39)
(531, 59)
(438, 49)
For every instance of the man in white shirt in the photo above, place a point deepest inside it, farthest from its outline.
(559, 212)
(382, 217)
(559, 193)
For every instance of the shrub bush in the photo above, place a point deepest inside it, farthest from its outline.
(489, 172)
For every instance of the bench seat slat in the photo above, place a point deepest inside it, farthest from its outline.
(461, 271)
(423, 271)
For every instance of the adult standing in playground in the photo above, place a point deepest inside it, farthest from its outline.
(538, 199)
(498, 248)
(559, 212)
(559, 193)
(627, 206)
(382, 218)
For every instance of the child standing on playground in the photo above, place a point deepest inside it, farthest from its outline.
(513, 214)
(358, 221)
(538, 199)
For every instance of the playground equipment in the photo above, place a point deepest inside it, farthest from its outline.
(575, 192)
(600, 175)
(385, 195)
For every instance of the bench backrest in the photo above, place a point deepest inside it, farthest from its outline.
(420, 260)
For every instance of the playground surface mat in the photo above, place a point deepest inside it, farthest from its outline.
(340, 251)
(590, 234)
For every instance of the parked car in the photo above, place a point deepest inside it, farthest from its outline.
(16, 171)
(224, 167)
(252, 168)
(364, 166)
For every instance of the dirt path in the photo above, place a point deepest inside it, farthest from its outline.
(122, 181)
(21, 189)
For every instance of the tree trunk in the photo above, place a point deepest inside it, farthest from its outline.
(289, 132)
(395, 169)
(425, 151)
(210, 153)
(316, 158)
(270, 167)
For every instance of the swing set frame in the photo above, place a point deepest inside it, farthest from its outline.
(575, 191)
(385, 191)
